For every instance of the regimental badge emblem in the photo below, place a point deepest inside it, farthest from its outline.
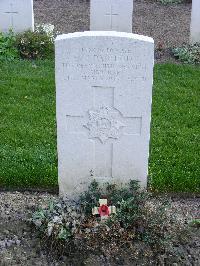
(103, 124)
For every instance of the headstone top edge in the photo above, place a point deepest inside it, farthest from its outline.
(104, 34)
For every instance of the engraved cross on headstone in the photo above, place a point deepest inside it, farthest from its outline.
(104, 124)
(11, 13)
(112, 14)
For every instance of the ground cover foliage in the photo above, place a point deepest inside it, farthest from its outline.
(189, 54)
(8, 49)
(168, 2)
(143, 229)
(165, 2)
(28, 45)
(28, 127)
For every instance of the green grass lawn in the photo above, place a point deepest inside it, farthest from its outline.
(28, 131)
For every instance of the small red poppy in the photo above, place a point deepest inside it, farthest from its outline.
(103, 210)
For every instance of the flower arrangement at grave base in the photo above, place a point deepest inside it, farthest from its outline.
(139, 223)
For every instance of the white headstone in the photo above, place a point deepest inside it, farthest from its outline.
(111, 15)
(16, 15)
(104, 92)
(195, 22)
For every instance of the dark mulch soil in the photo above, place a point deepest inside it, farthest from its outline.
(19, 245)
(168, 24)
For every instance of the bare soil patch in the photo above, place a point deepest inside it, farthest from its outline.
(19, 245)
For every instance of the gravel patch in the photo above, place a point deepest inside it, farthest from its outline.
(19, 245)
(167, 24)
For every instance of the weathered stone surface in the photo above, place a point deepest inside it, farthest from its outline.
(111, 15)
(195, 22)
(104, 92)
(16, 15)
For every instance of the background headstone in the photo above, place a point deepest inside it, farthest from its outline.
(195, 22)
(111, 15)
(104, 92)
(16, 15)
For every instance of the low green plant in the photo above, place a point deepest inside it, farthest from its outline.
(165, 2)
(67, 224)
(114, 193)
(59, 221)
(136, 210)
(38, 44)
(89, 199)
(8, 49)
(195, 223)
(189, 54)
(148, 219)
